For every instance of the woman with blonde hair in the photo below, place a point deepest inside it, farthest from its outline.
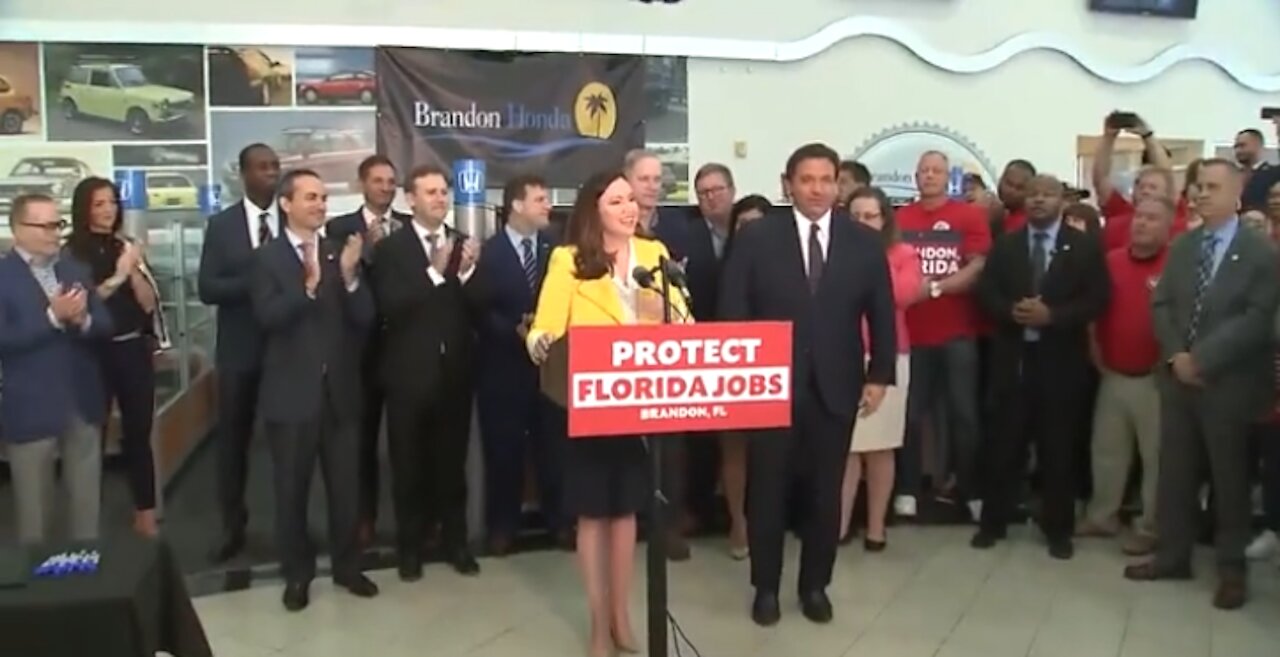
(606, 479)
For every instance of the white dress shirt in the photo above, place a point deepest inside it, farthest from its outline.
(296, 241)
(803, 224)
(437, 278)
(253, 214)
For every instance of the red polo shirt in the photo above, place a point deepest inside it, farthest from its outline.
(1014, 221)
(945, 237)
(1124, 332)
(1118, 212)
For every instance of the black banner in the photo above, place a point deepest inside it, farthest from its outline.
(939, 251)
(561, 116)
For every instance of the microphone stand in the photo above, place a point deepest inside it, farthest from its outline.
(656, 550)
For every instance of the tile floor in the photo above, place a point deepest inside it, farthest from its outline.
(929, 595)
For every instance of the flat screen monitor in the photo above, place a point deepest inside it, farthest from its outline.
(1166, 8)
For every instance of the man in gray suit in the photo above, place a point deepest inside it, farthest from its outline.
(1213, 311)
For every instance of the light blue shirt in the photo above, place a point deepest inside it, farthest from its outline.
(517, 241)
(1050, 244)
(1225, 234)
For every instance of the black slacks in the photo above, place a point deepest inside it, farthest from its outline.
(428, 441)
(237, 412)
(370, 429)
(294, 451)
(129, 379)
(814, 449)
(1041, 410)
(1196, 431)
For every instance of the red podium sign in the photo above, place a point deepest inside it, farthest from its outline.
(673, 378)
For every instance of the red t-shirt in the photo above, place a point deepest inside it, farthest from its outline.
(1014, 221)
(946, 238)
(1118, 212)
(1126, 337)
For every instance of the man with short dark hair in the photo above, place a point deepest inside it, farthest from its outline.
(53, 403)
(1260, 174)
(1012, 189)
(1214, 312)
(815, 268)
(373, 221)
(517, 423)
(226, 261)
(853, 176)
(422, 285)
(1041, 285)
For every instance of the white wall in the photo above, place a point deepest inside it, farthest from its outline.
(1031, 107)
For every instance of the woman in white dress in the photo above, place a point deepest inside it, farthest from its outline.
(876, 436)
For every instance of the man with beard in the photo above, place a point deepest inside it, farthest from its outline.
(1042, 286)
(374, 220)
(226, 261)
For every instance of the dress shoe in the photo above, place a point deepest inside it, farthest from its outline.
(410, 568)
(358, 585)
(677, 547)
(765, 610)
(1150, 572)
(231, 544)
(1061, 548)
(874, 546)
(1232, 592)
(986, 539)
(297, 595)
(464, 562)
(816, 606)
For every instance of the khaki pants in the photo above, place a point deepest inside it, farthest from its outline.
(1128, 411)
(33, 468)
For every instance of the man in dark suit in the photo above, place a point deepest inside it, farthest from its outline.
(53, 403)
(826, 275)
(708, 231)
(311, 304)
(670, 226)
(373, 221)
(224, 281)
(516, 421)
(1042, 286)
(422, 287)
(1213, 313)
(1259, 174)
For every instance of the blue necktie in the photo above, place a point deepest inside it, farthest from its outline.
(529, 262)
(1204, 275)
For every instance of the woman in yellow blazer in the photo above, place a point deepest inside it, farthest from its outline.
(606, 480)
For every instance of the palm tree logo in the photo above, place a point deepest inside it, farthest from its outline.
(595, 111)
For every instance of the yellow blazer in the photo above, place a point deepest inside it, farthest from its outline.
(567, 301)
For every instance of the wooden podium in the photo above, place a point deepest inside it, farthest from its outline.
(553, 375)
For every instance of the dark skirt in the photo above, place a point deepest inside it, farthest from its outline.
(606, 477)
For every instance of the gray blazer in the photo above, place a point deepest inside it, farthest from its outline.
(1235, 344)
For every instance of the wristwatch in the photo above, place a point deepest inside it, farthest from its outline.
(935, 289)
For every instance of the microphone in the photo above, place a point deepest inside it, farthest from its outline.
(675, 273)
(643, 277)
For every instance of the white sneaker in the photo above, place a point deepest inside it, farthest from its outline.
(975, 510)
(1264, 547)
(905, 506)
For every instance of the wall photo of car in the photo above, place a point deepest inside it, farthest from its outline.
(330, 142)
(19, 89)
(103, 92)
(50, 169)
(250, 76)
(172, 190)
(336, 76)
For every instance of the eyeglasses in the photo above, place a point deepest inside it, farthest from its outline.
(49, 226)
(712, 191)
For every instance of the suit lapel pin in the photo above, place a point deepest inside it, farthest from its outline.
(1235, 257)
(1066, 247)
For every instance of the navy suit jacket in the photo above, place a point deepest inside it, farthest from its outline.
(226, 265)
(308, 340)
(504, 297)
(671, 227)
(341, 227)
(765, 279)
(703, 269)
(49, 374)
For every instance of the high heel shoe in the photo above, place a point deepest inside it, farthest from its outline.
(874, 546)
(625, 646)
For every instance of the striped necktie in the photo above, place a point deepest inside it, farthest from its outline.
(1204, 275)
(529, 262)
(264, 228)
